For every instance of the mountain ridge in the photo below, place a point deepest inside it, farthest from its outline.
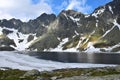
(69, 31)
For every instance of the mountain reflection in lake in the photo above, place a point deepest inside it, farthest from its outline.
(99, 58)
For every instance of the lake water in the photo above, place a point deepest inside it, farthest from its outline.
(45, 61)
(73, 57)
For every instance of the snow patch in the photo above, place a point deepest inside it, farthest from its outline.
(71, 50)
(116, 24)
(1, 31)
(17, 37)
(108, 31)
(65, 16)
(74, 19)
(110, 48)
(14, 23)
(58, 38)
(76, 32)
(94, 14)
(86, 16)
(97, 23)
(78, 44)
(59, 47)
(91, 48)
(98, 12)
(110, 8)
(78, 24)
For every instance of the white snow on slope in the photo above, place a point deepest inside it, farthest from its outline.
(60, 46)
(17, 36)
(21, 45)
(1, 31)
(25, 62)
(76, 32)
(110, 8)
(65, 15)
(108, 31)
(112, 47)
(116, 24)
(97, 23)
(91, 48)
(86, 16)
(74, 19)
(74, 49)
(98, 12)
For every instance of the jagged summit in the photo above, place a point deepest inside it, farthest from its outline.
(49, 17)
(69, 31)
(71, 13)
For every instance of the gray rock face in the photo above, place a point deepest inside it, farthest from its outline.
(6, 32)
(31, 73)
(30, 38)
(101, 28)
(6, 48)
(15, 27)
(5, 43)
(37, 25)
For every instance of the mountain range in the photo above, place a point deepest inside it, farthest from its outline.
(70, 31)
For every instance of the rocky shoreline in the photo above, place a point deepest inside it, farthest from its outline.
(107, 77)
(104, 73)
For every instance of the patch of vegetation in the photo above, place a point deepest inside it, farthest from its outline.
(5, 43)
(72, 43)
(62, 73)
(89, 38)
(46, 41)
(2, 36)
(103, 72)
(94, 39)
(11, 74)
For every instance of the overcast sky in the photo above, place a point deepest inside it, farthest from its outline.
(30, 9)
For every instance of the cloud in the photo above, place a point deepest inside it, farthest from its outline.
(62, 6)
(23, 9)
(79, 5)
(30, 9)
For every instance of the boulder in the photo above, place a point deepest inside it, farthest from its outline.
(33, 72)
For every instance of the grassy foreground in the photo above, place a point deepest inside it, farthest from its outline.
(15, 74)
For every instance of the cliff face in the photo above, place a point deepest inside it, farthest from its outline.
(69, 31)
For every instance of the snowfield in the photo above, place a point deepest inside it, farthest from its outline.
(25, 62)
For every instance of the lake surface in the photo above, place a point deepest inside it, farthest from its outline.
(71, 57)
(36, 60)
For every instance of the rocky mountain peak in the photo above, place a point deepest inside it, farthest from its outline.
(45, 16)
(70, 30)
(71, 13)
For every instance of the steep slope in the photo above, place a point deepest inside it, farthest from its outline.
(22, 33)
(74, 31)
